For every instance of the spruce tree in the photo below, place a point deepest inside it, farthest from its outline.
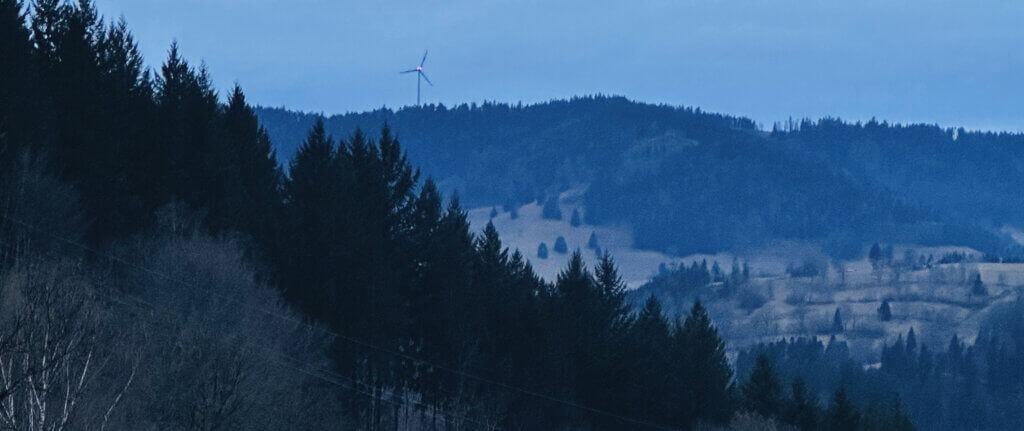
(22, 119)
(312, 192)
(802, 410)
(258, 172)
(837, 322)
(560, 246)
(653, 390)
(977, 286)
(884, 311)
(875, 255)
(762, 392)
(841, 414)
(706, 373)
(612, 291)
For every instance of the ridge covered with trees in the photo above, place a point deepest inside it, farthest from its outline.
(691, 181)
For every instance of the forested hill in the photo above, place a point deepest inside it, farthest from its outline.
(497, 153)
(692, 181)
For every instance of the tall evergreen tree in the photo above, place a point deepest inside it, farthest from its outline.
(314, 206)
(21, 96)
(258, 171)
(706, 373)
(842, 415)
(191, 163)
(762, 392)
(802, 409)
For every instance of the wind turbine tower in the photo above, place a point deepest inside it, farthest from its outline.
(419, 75)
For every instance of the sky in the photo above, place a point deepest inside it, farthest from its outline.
(954, 63)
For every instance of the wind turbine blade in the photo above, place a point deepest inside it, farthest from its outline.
(424, 58)
(424, 75)
(408, 71)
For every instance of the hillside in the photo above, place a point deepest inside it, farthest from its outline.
(687, 181)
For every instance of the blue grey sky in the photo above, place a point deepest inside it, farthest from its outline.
(955, 63)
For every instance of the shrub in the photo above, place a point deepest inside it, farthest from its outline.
(542, 251)
(592, 242)
(575, 219)
(750, 300)
(808, 268)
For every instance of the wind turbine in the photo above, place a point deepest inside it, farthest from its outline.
(419, 74)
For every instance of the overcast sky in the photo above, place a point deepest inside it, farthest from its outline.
(955, 63)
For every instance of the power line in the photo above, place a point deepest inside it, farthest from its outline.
(346, 338)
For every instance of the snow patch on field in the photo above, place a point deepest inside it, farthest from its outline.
(529, 230)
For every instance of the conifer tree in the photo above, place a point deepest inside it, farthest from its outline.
(762, 392)
(542, 251)
(802, 409)
(837, 322)
(258, 172)
(612, 292)
(21, 98)
(312, 193)
(192, 163)
(884, 311)
(842, 415)
(574, 220)
(652, 393)
(716, 272)
(560, 246)
(706, 374)
(977, 286)
(592, 242)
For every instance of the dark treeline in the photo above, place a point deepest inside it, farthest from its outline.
(958, 386)
(158, 271)
(477, 331)
(677, 287)
(941, 169)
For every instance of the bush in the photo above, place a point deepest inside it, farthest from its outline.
(808, 268)
(592, 242)
(561, 246)
(575, 219)
(750, 300)
(542, 251)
